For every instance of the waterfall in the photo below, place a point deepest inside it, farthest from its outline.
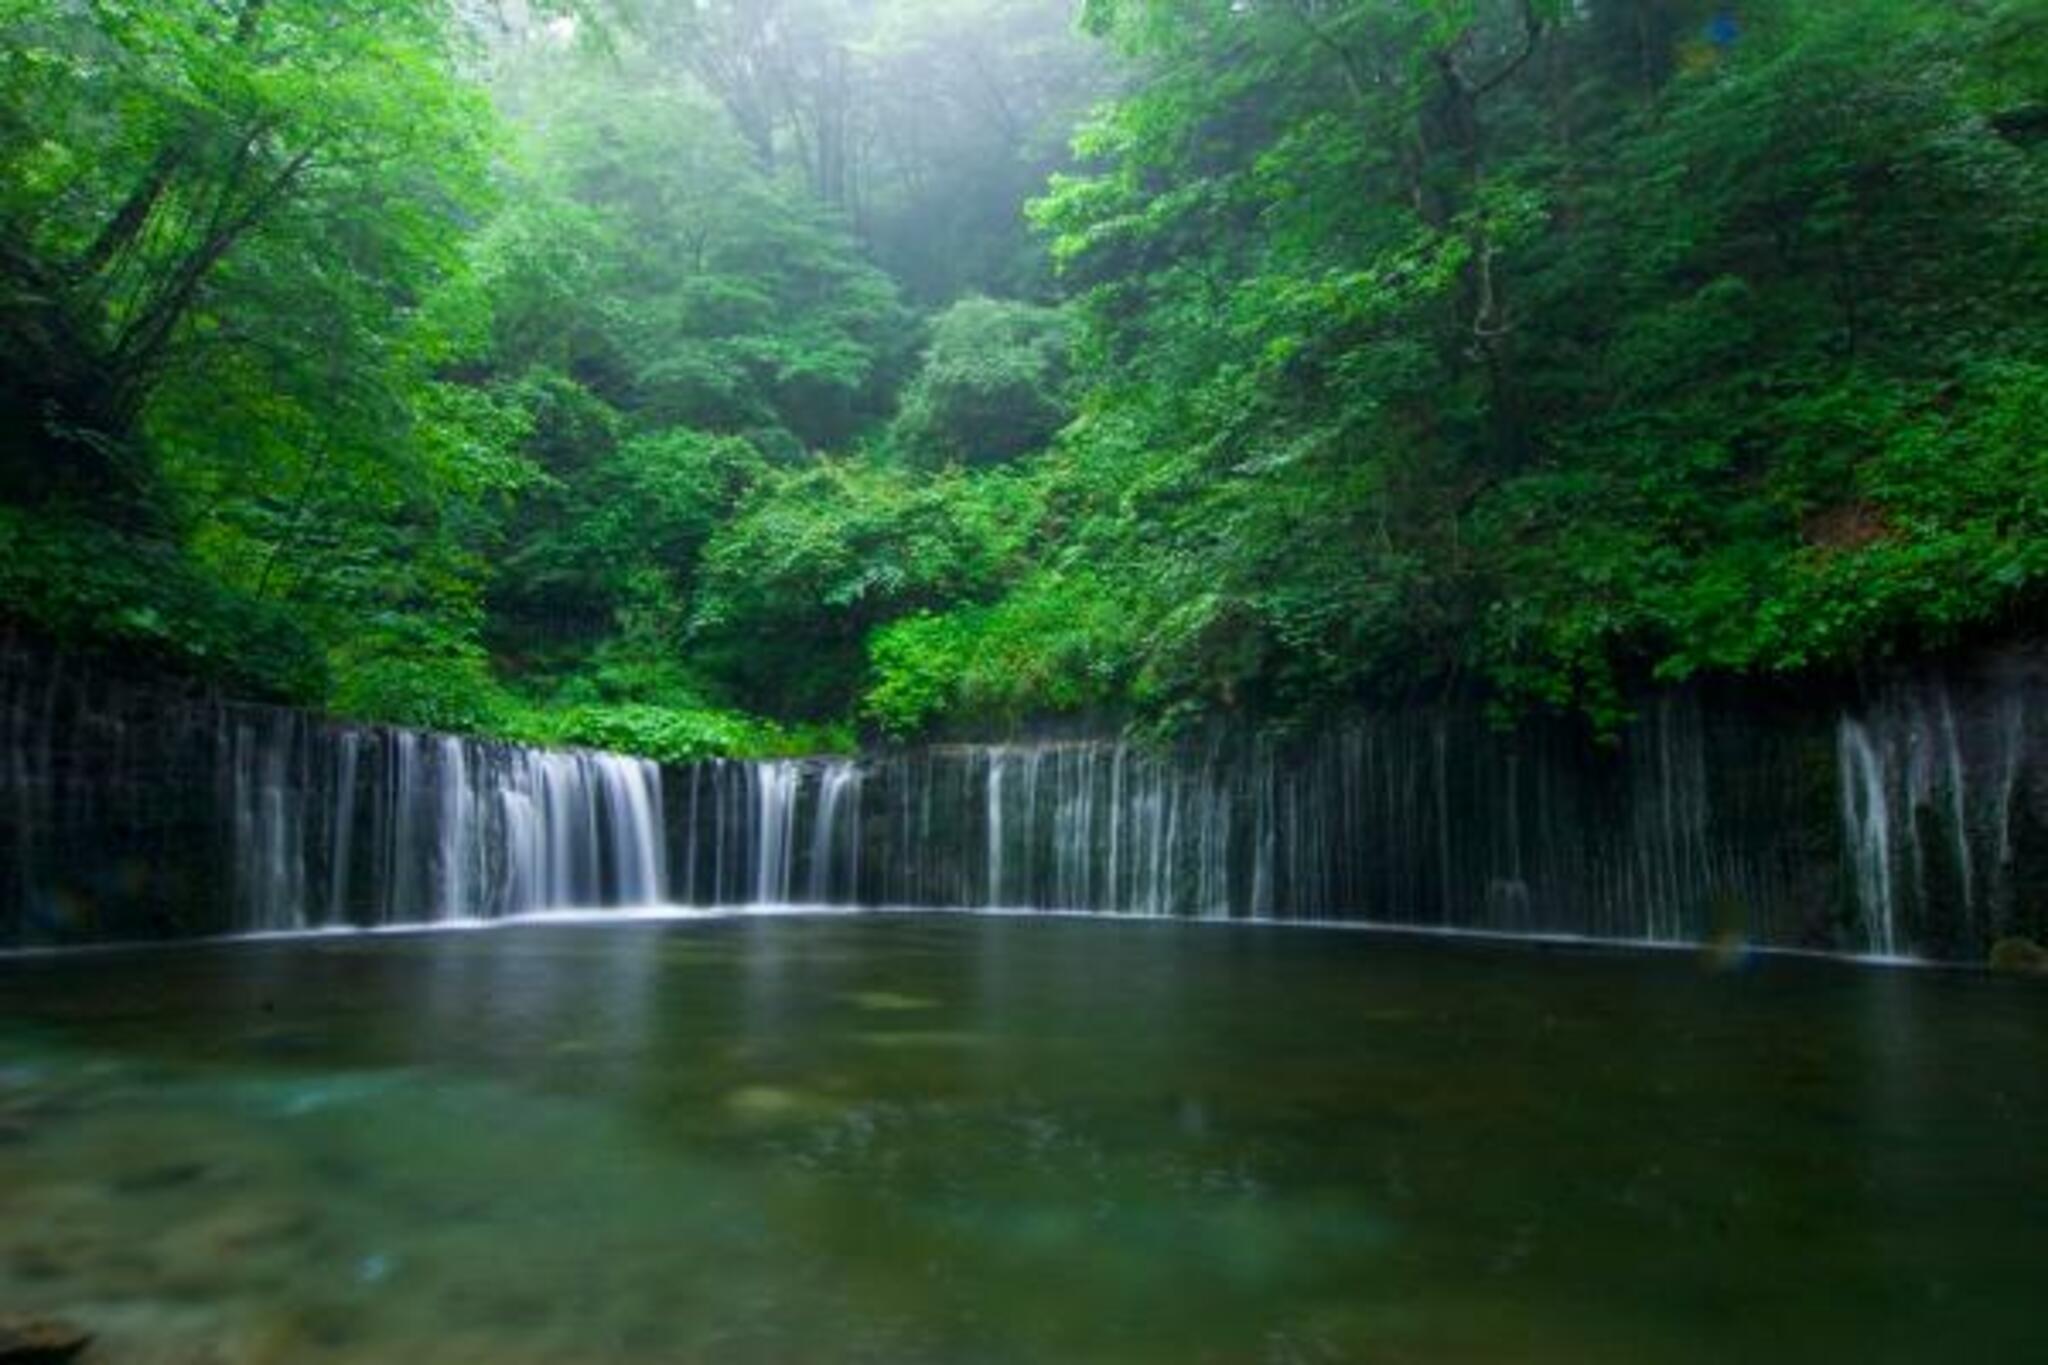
(303, 824)
(397, 811)
(461, 845)
(1687, 831)
(1355, 828)
(775, 787)
(266, 799)
(1911, 820)
(343, 805)
(1867, 826)
(1939, 780)
(465, 829)
(833, 833)
(996, 759)
(632, 793)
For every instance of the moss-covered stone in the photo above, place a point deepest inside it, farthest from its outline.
(2019, 956)
(40, 1341)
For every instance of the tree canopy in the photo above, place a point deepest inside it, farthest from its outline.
(700, 376)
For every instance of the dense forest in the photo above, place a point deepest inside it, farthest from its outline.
(712, 376)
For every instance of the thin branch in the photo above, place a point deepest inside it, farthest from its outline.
(1347, 62)
(1532, 32)
(143, 342)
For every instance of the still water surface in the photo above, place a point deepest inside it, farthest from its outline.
(986, 1141)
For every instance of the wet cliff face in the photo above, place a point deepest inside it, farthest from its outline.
(108, 820)
(134, 812)
(1695, 826)
(1909, 820)
(1942, 806)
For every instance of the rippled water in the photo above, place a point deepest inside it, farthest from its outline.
(956, 1139)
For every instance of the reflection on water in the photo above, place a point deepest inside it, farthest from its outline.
(908, 1139)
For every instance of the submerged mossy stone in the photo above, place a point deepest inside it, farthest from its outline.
(2019, 956)
(40, 1341)
(890, 1000)
(158, 1179)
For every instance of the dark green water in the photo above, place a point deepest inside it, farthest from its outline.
(952, 1139)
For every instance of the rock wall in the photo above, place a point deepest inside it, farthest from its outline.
(133, 811)
(1908, 817)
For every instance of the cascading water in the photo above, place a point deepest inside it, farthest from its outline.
(1867, 829)
(1702, 825)
(1355, 828)
(1914, 822)
(835, 838)
(1944, 810)
(310, 824)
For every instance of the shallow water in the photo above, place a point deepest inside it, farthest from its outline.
(894, 1138)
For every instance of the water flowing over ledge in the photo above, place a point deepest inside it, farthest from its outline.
(1890, 833)
(333, 827)
(131, 814)
(1910, 822)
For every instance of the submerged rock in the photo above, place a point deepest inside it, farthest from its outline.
(2020, 956)
(231, 1247)
(157, 1179)
(238, 1228)
(890, 1000)
(40, 1341)
(764, 1102)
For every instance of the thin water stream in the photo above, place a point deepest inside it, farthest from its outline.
(1913, 823)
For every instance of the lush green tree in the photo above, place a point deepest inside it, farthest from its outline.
(1056, 641)
(220, 222)
(674, 320)
(927, 123)
(993, 385)
(820, 556)
(1554, 348)
(554, 379)
(246, 200)
(696, 290)
(970, 105)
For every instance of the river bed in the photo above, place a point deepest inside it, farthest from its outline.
(955, 1138)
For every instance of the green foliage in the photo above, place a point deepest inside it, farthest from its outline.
(656, 263)
(674, 735)
(388, 679)
(926, 122)
(71, 579)
(270, 326)
(1538, 349)
(241, 202)
(1817, 340)
(457, 692)
(1056, 642)
(819, 556)
(992, 386)
(1555, 348)
(675, 322)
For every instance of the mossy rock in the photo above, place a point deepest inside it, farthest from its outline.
(2019, 956)
(40, 1341)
